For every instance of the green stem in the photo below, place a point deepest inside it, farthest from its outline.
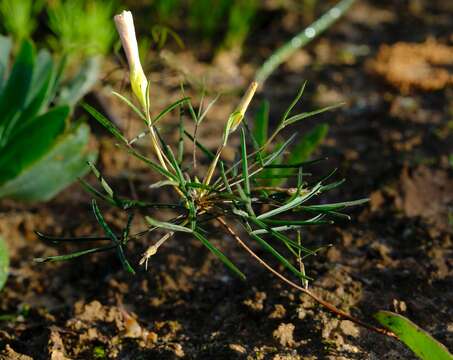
(302, 39)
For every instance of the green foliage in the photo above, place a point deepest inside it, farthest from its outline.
(81, 27)
(419, 341)
(229, 20)
(240, 19)
(301, 151)
(4, 263)
(40, 152)
(230, 193)
(19, 17)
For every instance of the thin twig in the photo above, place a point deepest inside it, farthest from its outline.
(324, 303)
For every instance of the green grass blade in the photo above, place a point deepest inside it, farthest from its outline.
(74, 255)
(266, 246)
(119, 249)
(219, 254)
(308, 144)
(261, 123)
(302, 116)
(4, 263)
(209, 154)
(292, 204)
(167, 225)
(105, 122)
(168, 109)
(102, 180)
(131, 105)
(293, 103)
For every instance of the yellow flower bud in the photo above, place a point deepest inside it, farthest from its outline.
(125, 27)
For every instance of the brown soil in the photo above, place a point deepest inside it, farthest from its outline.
(411, 65)
(396, 253)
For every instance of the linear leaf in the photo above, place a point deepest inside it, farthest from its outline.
(167, 225)
(219, 254)
(105, 122)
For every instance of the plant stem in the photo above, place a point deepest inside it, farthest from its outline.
(324, 303)
(303, 38)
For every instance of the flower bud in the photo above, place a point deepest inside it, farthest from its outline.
(125, 27)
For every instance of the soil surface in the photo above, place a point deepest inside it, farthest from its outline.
(392, 141)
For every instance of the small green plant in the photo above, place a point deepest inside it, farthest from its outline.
(300, 152)
(240, 19)
(40, 151)
(228, 193)
(81, 27)
(416, 339)
(206, 18)
(19, 17)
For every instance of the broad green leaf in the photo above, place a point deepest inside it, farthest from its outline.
(4, 263)
(261, 124)
(81, 84)
(38, 98)
(419, 341)
(308, 144)
(59, 167)
(33, 142)
(42, 71)
(15, 93)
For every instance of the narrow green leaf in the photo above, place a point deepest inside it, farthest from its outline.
(294, 102)
(167, 225)
(305, 115)
(219, 254)
(102, 180)
(4, 263)
(105, 122)
(292, 204)
(209, 154)
(74, 255)
(266, 246)
(261, 123)
(119, 249)
(131, 105)
(419, 341)
(168, 109)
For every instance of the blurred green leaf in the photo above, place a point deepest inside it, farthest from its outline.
(5, 50)
(4, 263)
(308, 144)
(261, 123)
(33, 142)
(419, 341)
(15, 93)
(81, 84)
(58, 168)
